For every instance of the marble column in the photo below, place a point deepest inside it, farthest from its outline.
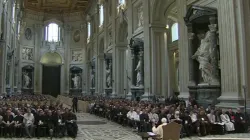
(100, 72)
(190, 54)
(67, 36)
(230, 74)
(38, 43)
(183, 49)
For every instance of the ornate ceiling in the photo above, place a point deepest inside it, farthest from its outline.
(56, 6)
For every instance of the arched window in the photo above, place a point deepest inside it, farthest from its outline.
(101, 14)
(13, 13)
(89, 30)
(52, 33)
(174, 31)
(121, 2)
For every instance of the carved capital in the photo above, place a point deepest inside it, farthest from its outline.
(213, 27)
(191, 36)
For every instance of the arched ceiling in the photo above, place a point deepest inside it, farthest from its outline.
(56, 6)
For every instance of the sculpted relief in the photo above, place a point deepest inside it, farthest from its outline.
(27, 54)
(77, 56)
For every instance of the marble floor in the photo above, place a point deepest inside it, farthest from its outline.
(94, 128)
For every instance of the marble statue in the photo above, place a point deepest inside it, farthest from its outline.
(28, 34)
(138, 75)
(93, 78)
(76, 81)
(108, 74)
(140, 16)
(203, 56)
(27, 80)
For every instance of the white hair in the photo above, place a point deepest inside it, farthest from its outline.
(164, 120)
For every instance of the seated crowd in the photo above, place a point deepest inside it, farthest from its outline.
(147, 116)
(38, 119)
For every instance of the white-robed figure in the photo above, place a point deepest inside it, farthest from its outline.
(27, 79)
(76, 81)
(159, 129)
(226, 120)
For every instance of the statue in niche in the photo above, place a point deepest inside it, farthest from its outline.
(93, 78)
(76, 81)
(203, 56)
(140, 16)
(138, 75)
(26, 79)
(108, 74)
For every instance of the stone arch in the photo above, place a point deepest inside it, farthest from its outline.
(53, 20)
(123, 31)
(52, 58)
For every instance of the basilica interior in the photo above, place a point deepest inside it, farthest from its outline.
(134, 49)
(127, 55)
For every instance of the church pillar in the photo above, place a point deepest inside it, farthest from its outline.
(118, 61)
(231, 86)
(37, 68)
(159, 85)
(183, 50)
(100, 73)
(67, 36)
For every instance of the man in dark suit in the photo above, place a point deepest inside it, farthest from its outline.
(144, 121)
(59, 124)
(18, 124)
(74, 104)
(240, 122)
(71, 124)
(8, 122)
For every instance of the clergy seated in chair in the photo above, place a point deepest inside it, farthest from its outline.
(71, 125)
(159, 130)
(204, 123)
(28, 120)
(18, 124)
(40, 122)
(8, 122)
(59, 124)
(217, 127)
(144, 121)
(229, 126)
(195, 122)
(130, 116)
(186, 123)
(171, 131)
(240, 122)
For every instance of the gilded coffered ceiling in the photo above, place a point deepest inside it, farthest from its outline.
(56, 6)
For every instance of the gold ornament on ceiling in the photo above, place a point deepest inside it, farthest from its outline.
(56, 6)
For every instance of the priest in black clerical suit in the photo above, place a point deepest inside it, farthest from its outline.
(8, 122)
(144, 121)
(59, 122)
(18, 124)
(240, 122)
(40, 122)
(71, 125)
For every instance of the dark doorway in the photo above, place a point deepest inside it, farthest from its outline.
(51, 80)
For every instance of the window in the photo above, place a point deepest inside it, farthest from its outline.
(13, 12)
(121, 2)
(89, 30)
(52, 33)
(101, 14)
(174, 31)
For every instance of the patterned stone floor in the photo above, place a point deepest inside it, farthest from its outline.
(95, 128)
